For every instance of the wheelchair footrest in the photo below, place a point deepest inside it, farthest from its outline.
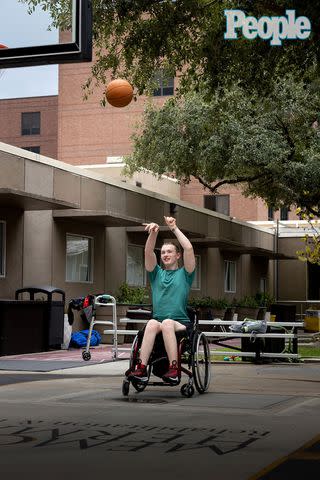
(160, 384)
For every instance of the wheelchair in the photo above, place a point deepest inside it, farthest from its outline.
(193, 360)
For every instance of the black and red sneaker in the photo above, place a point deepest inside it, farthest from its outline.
(139, 374)
(172, 376)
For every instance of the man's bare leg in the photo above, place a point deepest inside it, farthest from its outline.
(169, 328)
(153, 327)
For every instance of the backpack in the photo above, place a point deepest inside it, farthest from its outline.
(250, 326)
(79, 339)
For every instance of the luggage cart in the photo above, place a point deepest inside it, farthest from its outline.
(102, 301)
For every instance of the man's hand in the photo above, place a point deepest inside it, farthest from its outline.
(151, 227)
(171, 222)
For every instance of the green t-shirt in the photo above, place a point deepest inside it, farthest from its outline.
(170, 290)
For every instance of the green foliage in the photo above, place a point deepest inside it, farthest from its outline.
(133, 39)
(269, 146)
(243, 121)
(311, 251)
(132, 295)
(248, 301)
(209, 302)
(264, 299)
(255, 301)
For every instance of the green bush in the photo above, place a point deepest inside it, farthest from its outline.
(256, 301)
(209, 302)
(132, 295)
(265, 299)
(248, 301)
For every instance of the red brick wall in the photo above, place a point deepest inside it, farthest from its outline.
(88, 132)
(241, 207)
(10, 123)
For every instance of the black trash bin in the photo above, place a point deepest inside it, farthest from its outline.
(53, 313)
(284, 313)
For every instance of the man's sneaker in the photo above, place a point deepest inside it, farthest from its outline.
(140, 373)
(172, 375)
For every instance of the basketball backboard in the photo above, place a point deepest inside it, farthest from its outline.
(30, 42)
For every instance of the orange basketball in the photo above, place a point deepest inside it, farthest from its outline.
(3, 46)
(119, 93)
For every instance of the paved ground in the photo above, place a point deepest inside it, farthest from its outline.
(76, 423)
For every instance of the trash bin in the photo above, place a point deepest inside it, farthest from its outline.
(23, 328)
(283, 312)
(53, 313)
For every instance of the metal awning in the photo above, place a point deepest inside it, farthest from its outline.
(164, 232)
(106, 218)
(238, 248)
(30, 201)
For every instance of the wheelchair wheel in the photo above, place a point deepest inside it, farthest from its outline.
(125, 388)
(134, 352)
(201, 362)
(138, 386)
(187, 390)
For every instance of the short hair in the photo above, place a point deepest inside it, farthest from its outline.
(177, 247)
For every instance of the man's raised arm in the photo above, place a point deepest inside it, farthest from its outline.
(189, 260)
(150, 258)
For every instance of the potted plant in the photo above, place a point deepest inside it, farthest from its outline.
(247, 307)
(219, 307)
(202, 306)
(133, 296)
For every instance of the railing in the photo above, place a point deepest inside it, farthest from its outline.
(300, 304)
(290, 333)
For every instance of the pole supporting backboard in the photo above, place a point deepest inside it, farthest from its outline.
(79, 49)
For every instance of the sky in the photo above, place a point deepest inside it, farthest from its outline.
(18, 29)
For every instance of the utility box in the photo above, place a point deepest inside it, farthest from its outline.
(312, 321)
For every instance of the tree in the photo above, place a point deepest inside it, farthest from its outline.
(269, 146)
(241, 120)
(135, 38)
(311, 251)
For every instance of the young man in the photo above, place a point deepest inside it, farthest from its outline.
(170, 287)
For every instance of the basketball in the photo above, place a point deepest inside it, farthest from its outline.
(3, 46)
(119, 93)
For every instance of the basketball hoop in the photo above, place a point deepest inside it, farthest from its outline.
(2, 45)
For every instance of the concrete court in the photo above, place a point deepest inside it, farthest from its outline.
(75, 423)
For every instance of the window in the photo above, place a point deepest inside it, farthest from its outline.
(196, 284)
(284, 213)
(2, 248)
(270, 214)
(166, 86)
(32, 149)
(263, 285)
(229, 276)
(218, 203)
(30, 123)
(136, 274)
(79, 258)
